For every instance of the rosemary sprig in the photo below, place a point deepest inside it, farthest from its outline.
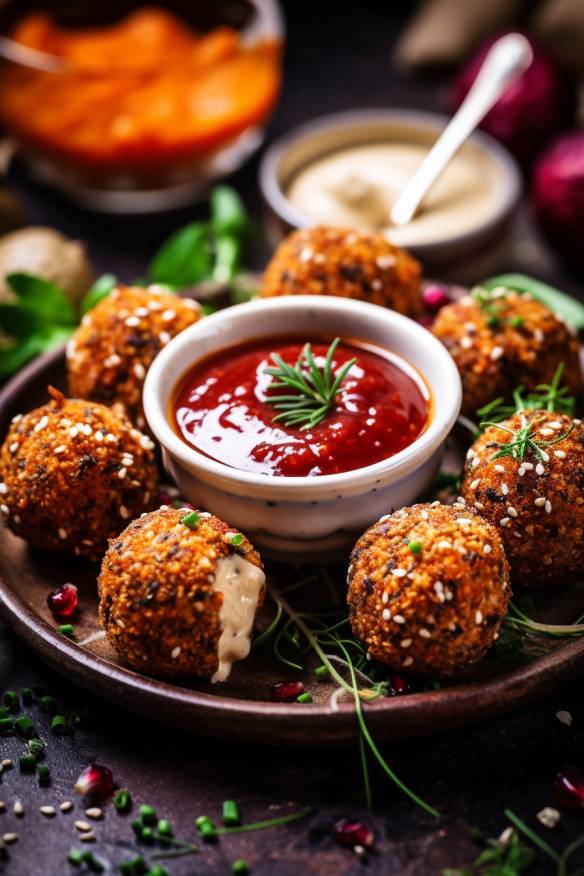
(523, 439)
(314, 387)
(545, 397)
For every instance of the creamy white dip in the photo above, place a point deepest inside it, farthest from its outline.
(356, 187)
(241, 583)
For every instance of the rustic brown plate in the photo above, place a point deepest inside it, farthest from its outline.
(239, 709)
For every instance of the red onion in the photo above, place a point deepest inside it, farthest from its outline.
(538, 105)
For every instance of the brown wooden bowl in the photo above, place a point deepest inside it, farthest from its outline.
(240, 709)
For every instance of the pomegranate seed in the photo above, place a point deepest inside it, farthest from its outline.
(286, 691)
(95, 781)
(569, 787)
(398, 684)
(435, 297)
(353, 833)
(63, 601)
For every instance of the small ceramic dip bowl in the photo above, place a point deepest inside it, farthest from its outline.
(310, 517)
(348, 169)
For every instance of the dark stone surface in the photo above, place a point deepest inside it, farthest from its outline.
(338, 57)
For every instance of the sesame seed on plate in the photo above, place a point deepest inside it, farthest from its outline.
(470, 453)
(548, 816)
(555, 424)
(18, 417)
(48, 811)
(60, 449)
(87, 837)
(41, 424)
(82, 826)
(521, 471)
(110, 438)
(466, 343)
(384, 262)
(66, 806)
(463, 521)
(545, 456)
(439, 590)
(424, 515)
(94, 812)
(73, 432)
(9, 837)
(18, 808)
(141, 311)
(444, 544)
(546, 432)
(528, 466)
(5, 509)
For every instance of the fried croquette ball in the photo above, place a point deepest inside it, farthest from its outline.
(113, 348)
(536, 497)
(502, 340)
(179, 591)
(428, 589)
(72, 473)
(351, 264)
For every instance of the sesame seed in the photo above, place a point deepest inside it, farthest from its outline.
(505, 489)
(139, 371)
(399, 619)
(528, 466)
(18, 417)
(408, 661)
(548, 507)
(306, 254)
(141, 311)
(3, 489)
(424, 515)
(476, 461)
(385, 597)
(463, 521)
(470, 327)
(405, 643)
(122, 473)
(496, 353)
(555, 424)
(545, 431)
(5, 509)
(41, 424)
(9, 837)
(87, 837)
(540, 502)
(18, 809)
(98, 435)
(60, 449)
(73, 432)
(2, 806)
(466, 343)
(511, 511)
(400, 573)
(154, 305)
(132, 321)
(13, 447)
(504, 521)
(386, 614)
(94, 812)
(62, 533)
(575, 421)
(564, 717)
(538, 335)
(479, 506)
(560, 454)
(478, 617)
(470, 453)
(500, 469)
(164, 337)
(545, 456)
(458, 507)
(439, 590)
(112, 361)
(474, 484)
(385, 262)
(146, 442)
(6, 763)
(424, 633)
(521, 471)
(487, 548)
(168, 315)
(444, 544)
(82, 826)
(66, 806)
(110, 438)
(49, 811)
(175, 652)
(124, 513)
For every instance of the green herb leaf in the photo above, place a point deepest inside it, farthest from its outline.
(185, 258)
(100, 290)
(228, 251)
(559, 302)
(19, 320)
(48, 301)
(228, 214)
(545, 397)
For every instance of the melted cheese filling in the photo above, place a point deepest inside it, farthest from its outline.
(241, 583)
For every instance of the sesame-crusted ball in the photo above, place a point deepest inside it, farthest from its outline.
(526, 475)
(113, 348)
(179, 591)
(72, 473)
(500, 340)
(351, 264)
(428, 589)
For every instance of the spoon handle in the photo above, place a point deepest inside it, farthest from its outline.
(509, 57)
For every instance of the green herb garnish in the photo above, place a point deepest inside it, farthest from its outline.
(191, 520)
(315, 388)
(100, 290)
(564, 305)
(523, 439)
(545, 397)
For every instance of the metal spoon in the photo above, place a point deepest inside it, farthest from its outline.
(507, 60)
(27, 57)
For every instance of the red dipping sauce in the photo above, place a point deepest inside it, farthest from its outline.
(220, 409)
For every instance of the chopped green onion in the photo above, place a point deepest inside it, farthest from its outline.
(231, 816)
(191, 519)
(25, 727)
(138, 828)
(123, 801)
(36, 747)
(59, 725)
(517, 322)
(67, 630)
(44, 774)
(206, 828)
(93, 864)
(305, 697)
(148, 814)
(164, 828)
(240, 867)
(136, 867)
(27, 763)
(75, 857)
(147, 835)
(47, 704)
(4, 712)
(415, 547)
(27, 696)
(11, 700)
(158, 870)
(237, 538)
(321, 671)
(6, 725)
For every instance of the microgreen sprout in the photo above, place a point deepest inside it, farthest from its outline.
(523, 439)
(546, 397)
(315, 388)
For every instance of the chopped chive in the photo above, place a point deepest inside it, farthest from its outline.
(158, 870)
(59, 725)
(147, 835)
(494, 322)
(415, 547)
(305, 697)
(11, 700)
(27, 696)
(148, 815)
(36, 747)
(231, 816)
(517, 321)
(136, 867)
(4, 712)
(25, 727)
(92, 862)
(191, 519)
(240, 867)
(67, 630)
(44, 774)
(164, 828)
(27, 763)
(75, 857)
(47, 704)
(206, 828)
(237, 538)
(321, 671)
(137, 827)
(6, 725)
(123, 801)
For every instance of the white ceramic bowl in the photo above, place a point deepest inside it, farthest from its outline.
(304, 517)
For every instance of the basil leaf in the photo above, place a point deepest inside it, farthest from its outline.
(100, 290)
(14, 357)
(18, 320)
(227, 258)
(185, 258)
(48, 301)
(562, 304)
(228, 214)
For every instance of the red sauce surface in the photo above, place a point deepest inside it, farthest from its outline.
(220, 409)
